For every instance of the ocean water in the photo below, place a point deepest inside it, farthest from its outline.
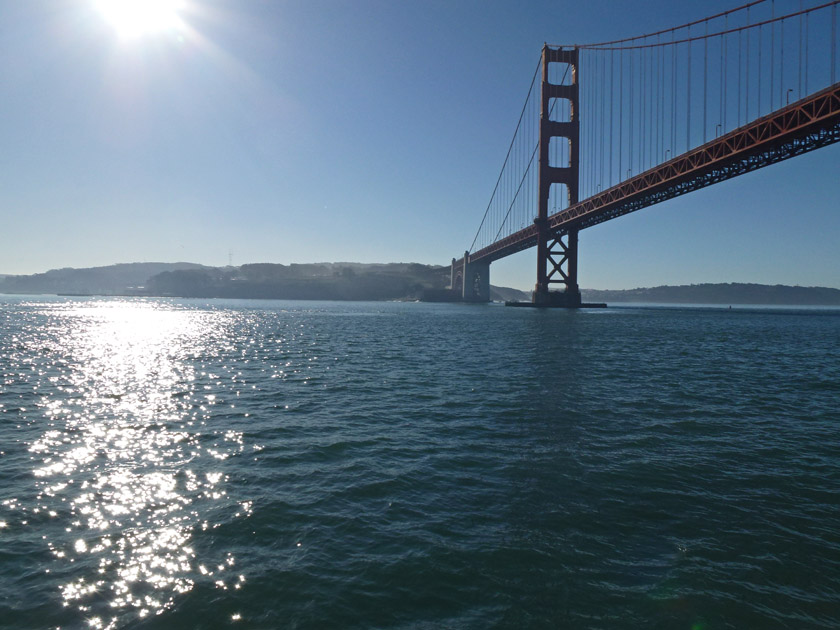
(238, 464)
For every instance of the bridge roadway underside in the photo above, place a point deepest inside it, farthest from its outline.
(801, 127)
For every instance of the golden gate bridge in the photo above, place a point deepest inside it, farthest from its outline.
(613, 127)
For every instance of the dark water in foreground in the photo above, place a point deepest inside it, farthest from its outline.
(176, 464)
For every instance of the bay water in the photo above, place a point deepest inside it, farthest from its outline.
(211, 464)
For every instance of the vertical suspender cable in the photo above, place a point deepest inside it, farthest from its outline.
(661, 116)
(641, 114)
(758, 113)
(653, 150)
(747, 71)
(631, 78)
(590, 144)
(654, 106)
(644, 132)
(673, 94)
(582, 136)
(655, 117)
(772, 54)
(587, 122)
(593, 112)
(705, 77)
(620, 114)
(807, 15)
(722, 90)
(649, 107)
(648, 127)
(603, 105)
(590, 90)
(593, 117)
(782, 67)
(516, 167)
(564, 146)
(651, 133)
(740, 45)
(725, 71)
(688, 95)
(654, 137)
(591, 82)
(799, 92)
(612, 103)
(833, 43)
(656, 113)
(660, 94)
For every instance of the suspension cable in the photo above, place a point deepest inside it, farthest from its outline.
(530, 163)
(510, 148)
(832, 3)
(675, 28)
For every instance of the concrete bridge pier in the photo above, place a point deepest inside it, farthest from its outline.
(558, 299)
(471, 279)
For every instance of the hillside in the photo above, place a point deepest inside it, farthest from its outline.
(730, 293)
(317, 281)
(109, 280)
(359, 281)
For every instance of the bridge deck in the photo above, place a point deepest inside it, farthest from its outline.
(803, 126)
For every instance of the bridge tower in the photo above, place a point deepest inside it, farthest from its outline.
(557, 253)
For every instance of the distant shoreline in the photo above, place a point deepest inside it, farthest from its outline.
(722, 294)
(363, 282)
(614, 304)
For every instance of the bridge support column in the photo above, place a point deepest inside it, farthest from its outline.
(557, 253)
(561, 256)
(476, 280)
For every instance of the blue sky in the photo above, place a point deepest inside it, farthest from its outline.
(370, 131)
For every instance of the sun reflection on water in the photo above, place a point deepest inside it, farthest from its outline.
(128, 465)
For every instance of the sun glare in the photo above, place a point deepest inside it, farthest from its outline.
(133, 18)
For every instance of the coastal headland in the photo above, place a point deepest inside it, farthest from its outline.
(360, 281)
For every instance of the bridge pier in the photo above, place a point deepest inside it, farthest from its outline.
(557, 263)
(475, 279)
(470, 280)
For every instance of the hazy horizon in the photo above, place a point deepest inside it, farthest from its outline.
(408, 262)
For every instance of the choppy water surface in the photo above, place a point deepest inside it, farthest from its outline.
(311, 465)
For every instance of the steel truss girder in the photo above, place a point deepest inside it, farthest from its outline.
(750, 163)
(804, 126)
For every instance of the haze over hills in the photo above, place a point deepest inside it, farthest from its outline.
(358, 281)
(109, 280)
(317, 281)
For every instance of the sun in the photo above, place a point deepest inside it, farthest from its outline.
(134, 18)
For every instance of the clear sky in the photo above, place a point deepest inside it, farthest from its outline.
(321, 130)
